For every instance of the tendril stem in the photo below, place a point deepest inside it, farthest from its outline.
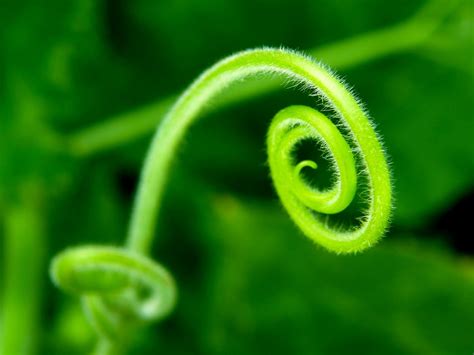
(314, 77)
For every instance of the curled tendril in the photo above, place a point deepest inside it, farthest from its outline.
(297, 123)
(119, 287)
(111, 278)
(289, 126)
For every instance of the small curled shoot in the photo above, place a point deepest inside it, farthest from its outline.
(117, 286)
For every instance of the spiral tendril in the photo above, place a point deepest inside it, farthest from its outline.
(110, 279)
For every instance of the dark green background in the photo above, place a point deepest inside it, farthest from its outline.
(249, 282)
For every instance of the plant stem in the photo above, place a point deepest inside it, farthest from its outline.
(105, 347)
(23, 278)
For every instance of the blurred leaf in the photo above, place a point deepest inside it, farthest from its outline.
(268, 290)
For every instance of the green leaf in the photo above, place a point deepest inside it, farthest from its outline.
(271, 291)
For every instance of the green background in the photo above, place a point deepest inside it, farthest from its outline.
(84, 83)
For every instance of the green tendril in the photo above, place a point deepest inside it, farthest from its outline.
(119, 285)
(289, 127)
(120, 288)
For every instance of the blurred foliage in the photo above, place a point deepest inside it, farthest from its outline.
(271, 292)
(247, 284)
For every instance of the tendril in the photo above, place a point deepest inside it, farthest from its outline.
(297, 123)
(122, 284)
(290, 126)
(120, 288)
